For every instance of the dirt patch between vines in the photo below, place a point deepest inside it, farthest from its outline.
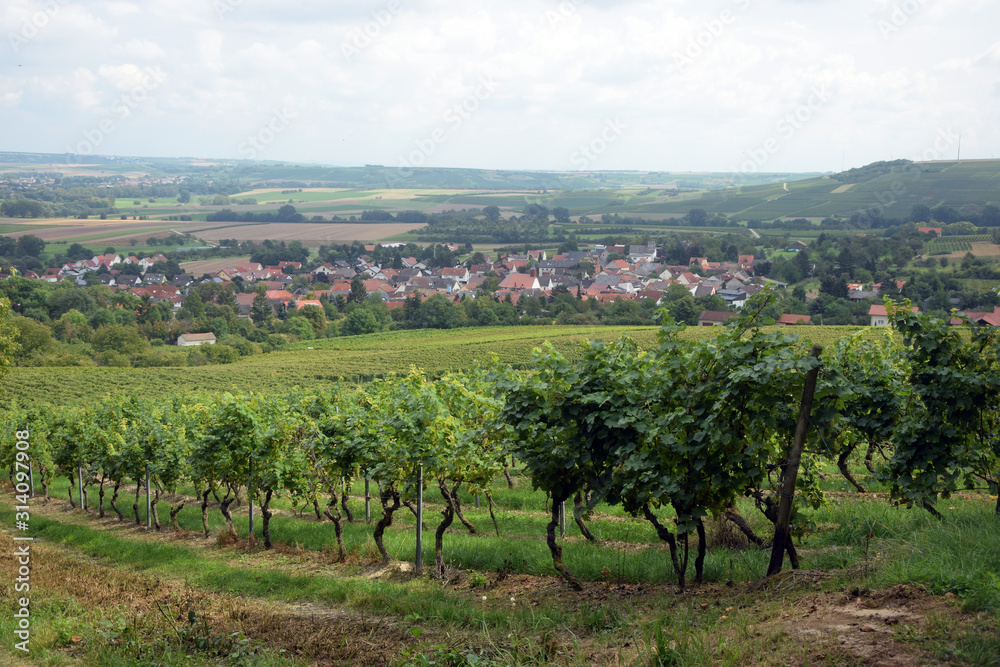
(864, 629)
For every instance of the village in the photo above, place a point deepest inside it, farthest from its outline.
(605, 274)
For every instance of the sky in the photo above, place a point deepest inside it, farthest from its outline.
(671, 85)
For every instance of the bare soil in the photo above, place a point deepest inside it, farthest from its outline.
(319, 233)
(202, 266)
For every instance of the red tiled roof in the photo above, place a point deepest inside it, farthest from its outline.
(879, 310)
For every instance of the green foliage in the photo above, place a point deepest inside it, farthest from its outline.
(8, 337)
(945, 439)
(117, 338)
(34, 338)
(363, 320)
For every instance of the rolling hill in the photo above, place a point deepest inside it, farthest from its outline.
(892, 191)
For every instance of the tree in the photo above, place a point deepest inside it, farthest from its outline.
(685, 310)
(77, 252)
(70, 298)
(298, 326)
(261, 309)
(492, 213)
(945, 214)
(697, 216)
(920, 213)
(33, 337)
(834, 286)
(560, 214)
(438, 312)
(7, 246)
(316, 317)
(194, 307)
(360, 321)
(117, 338)
(29, 245)
(358, 292)
(990, 216)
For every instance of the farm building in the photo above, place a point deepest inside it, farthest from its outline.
(192, 339)
(714, 318)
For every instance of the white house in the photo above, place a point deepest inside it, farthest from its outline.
(880, 318)
(192, 339)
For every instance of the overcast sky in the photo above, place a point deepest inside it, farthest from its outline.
(682, 85)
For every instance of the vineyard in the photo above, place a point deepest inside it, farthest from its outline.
(954, 244)
(658, 468)
(353, 358)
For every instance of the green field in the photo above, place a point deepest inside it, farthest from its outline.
(128, 204)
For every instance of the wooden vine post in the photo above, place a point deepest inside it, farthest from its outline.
(250, 497)
(420, 521)
(781, 533)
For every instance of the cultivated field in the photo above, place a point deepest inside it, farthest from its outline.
(111, 232)
(202, 266)
(354, 358)
(306, 232)
(97, 231)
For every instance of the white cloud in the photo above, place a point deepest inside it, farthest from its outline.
(11, 99)
(562, 69)
(141, 48)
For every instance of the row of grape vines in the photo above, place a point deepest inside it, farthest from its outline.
(672, 435)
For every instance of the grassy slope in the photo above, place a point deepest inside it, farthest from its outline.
(952, 183)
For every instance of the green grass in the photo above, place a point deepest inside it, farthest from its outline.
(955, 554)
(124, 249)
(861, 541)
(13, 229)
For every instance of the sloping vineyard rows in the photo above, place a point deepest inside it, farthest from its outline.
(671, 435)
(950, 244)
